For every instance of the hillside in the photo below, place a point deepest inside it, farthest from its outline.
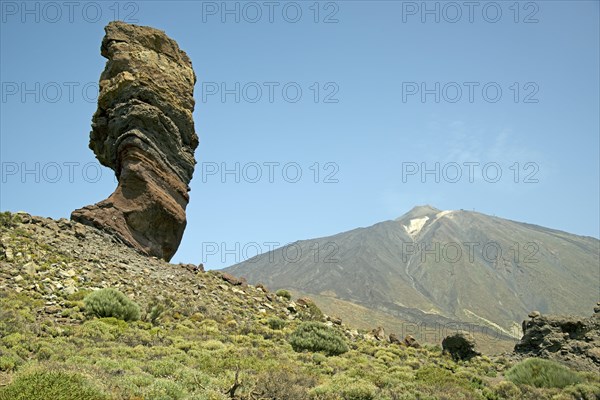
(437, 268)
(201, 335)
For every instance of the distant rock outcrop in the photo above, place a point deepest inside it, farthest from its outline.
(460, 346)
(572, 340)
(144, 131)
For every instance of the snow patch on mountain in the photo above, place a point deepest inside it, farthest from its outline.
(415, 225)
(443, 213)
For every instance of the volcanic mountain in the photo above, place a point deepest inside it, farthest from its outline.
(441, 267)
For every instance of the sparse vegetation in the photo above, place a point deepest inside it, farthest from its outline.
(197, 333)
(317, 337)
(543, 374)
(154, 311)
(276, 323)
(55, 385)
(110, 302)
(284, 293)
(343, 388)
(8, 220)
(312, 312)
(285, 383)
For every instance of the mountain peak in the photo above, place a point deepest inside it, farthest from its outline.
(419, 212)
(435, 266)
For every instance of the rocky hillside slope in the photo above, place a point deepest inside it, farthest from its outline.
(201, 335)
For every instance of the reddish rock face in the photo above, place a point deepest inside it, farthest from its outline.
(143, 130)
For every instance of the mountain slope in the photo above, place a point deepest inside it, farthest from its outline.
(442, 267)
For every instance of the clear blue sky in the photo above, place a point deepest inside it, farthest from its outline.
(373, 57)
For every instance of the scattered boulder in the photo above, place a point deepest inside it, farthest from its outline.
(565, 338)
(378, 333)
(262, 287)
(233, 280)
(410, 341)
(79, 231)
(304, 301)
(292, 307)
(394, 339)
(144, 131)
(193, 268)
(461, 346)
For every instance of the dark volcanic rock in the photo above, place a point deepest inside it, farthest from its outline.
(460, 346)
(572, 340)
(144, 131)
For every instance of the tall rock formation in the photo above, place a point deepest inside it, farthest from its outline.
(144, 131)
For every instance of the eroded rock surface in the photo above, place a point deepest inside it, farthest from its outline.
(144, 131)
(572, 340)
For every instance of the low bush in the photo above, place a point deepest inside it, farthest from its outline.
(111, 303)
(284, 293)
(7, 363)
(542, 373)
(276, 323)
(55, 385)
(285, 383)
(584, 391)
(317, 337)
(344, 388)
(154, 313)
(9, 220)
(312, 313)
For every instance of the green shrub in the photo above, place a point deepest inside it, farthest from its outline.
(507, 390)
(317, 337)
(312, 312)
(319, 358)
(584, 391)
(9, 220)
(163, 368)
(276, 323)
(213, 344)
(99, 330)
(163, 389)
(344, 388)
(285, 383)
(79, 295)
(284, 293)
(7, 363)
(111, 303)
(154, 310)
(542, 373)
(44, 385)
(45, 353)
